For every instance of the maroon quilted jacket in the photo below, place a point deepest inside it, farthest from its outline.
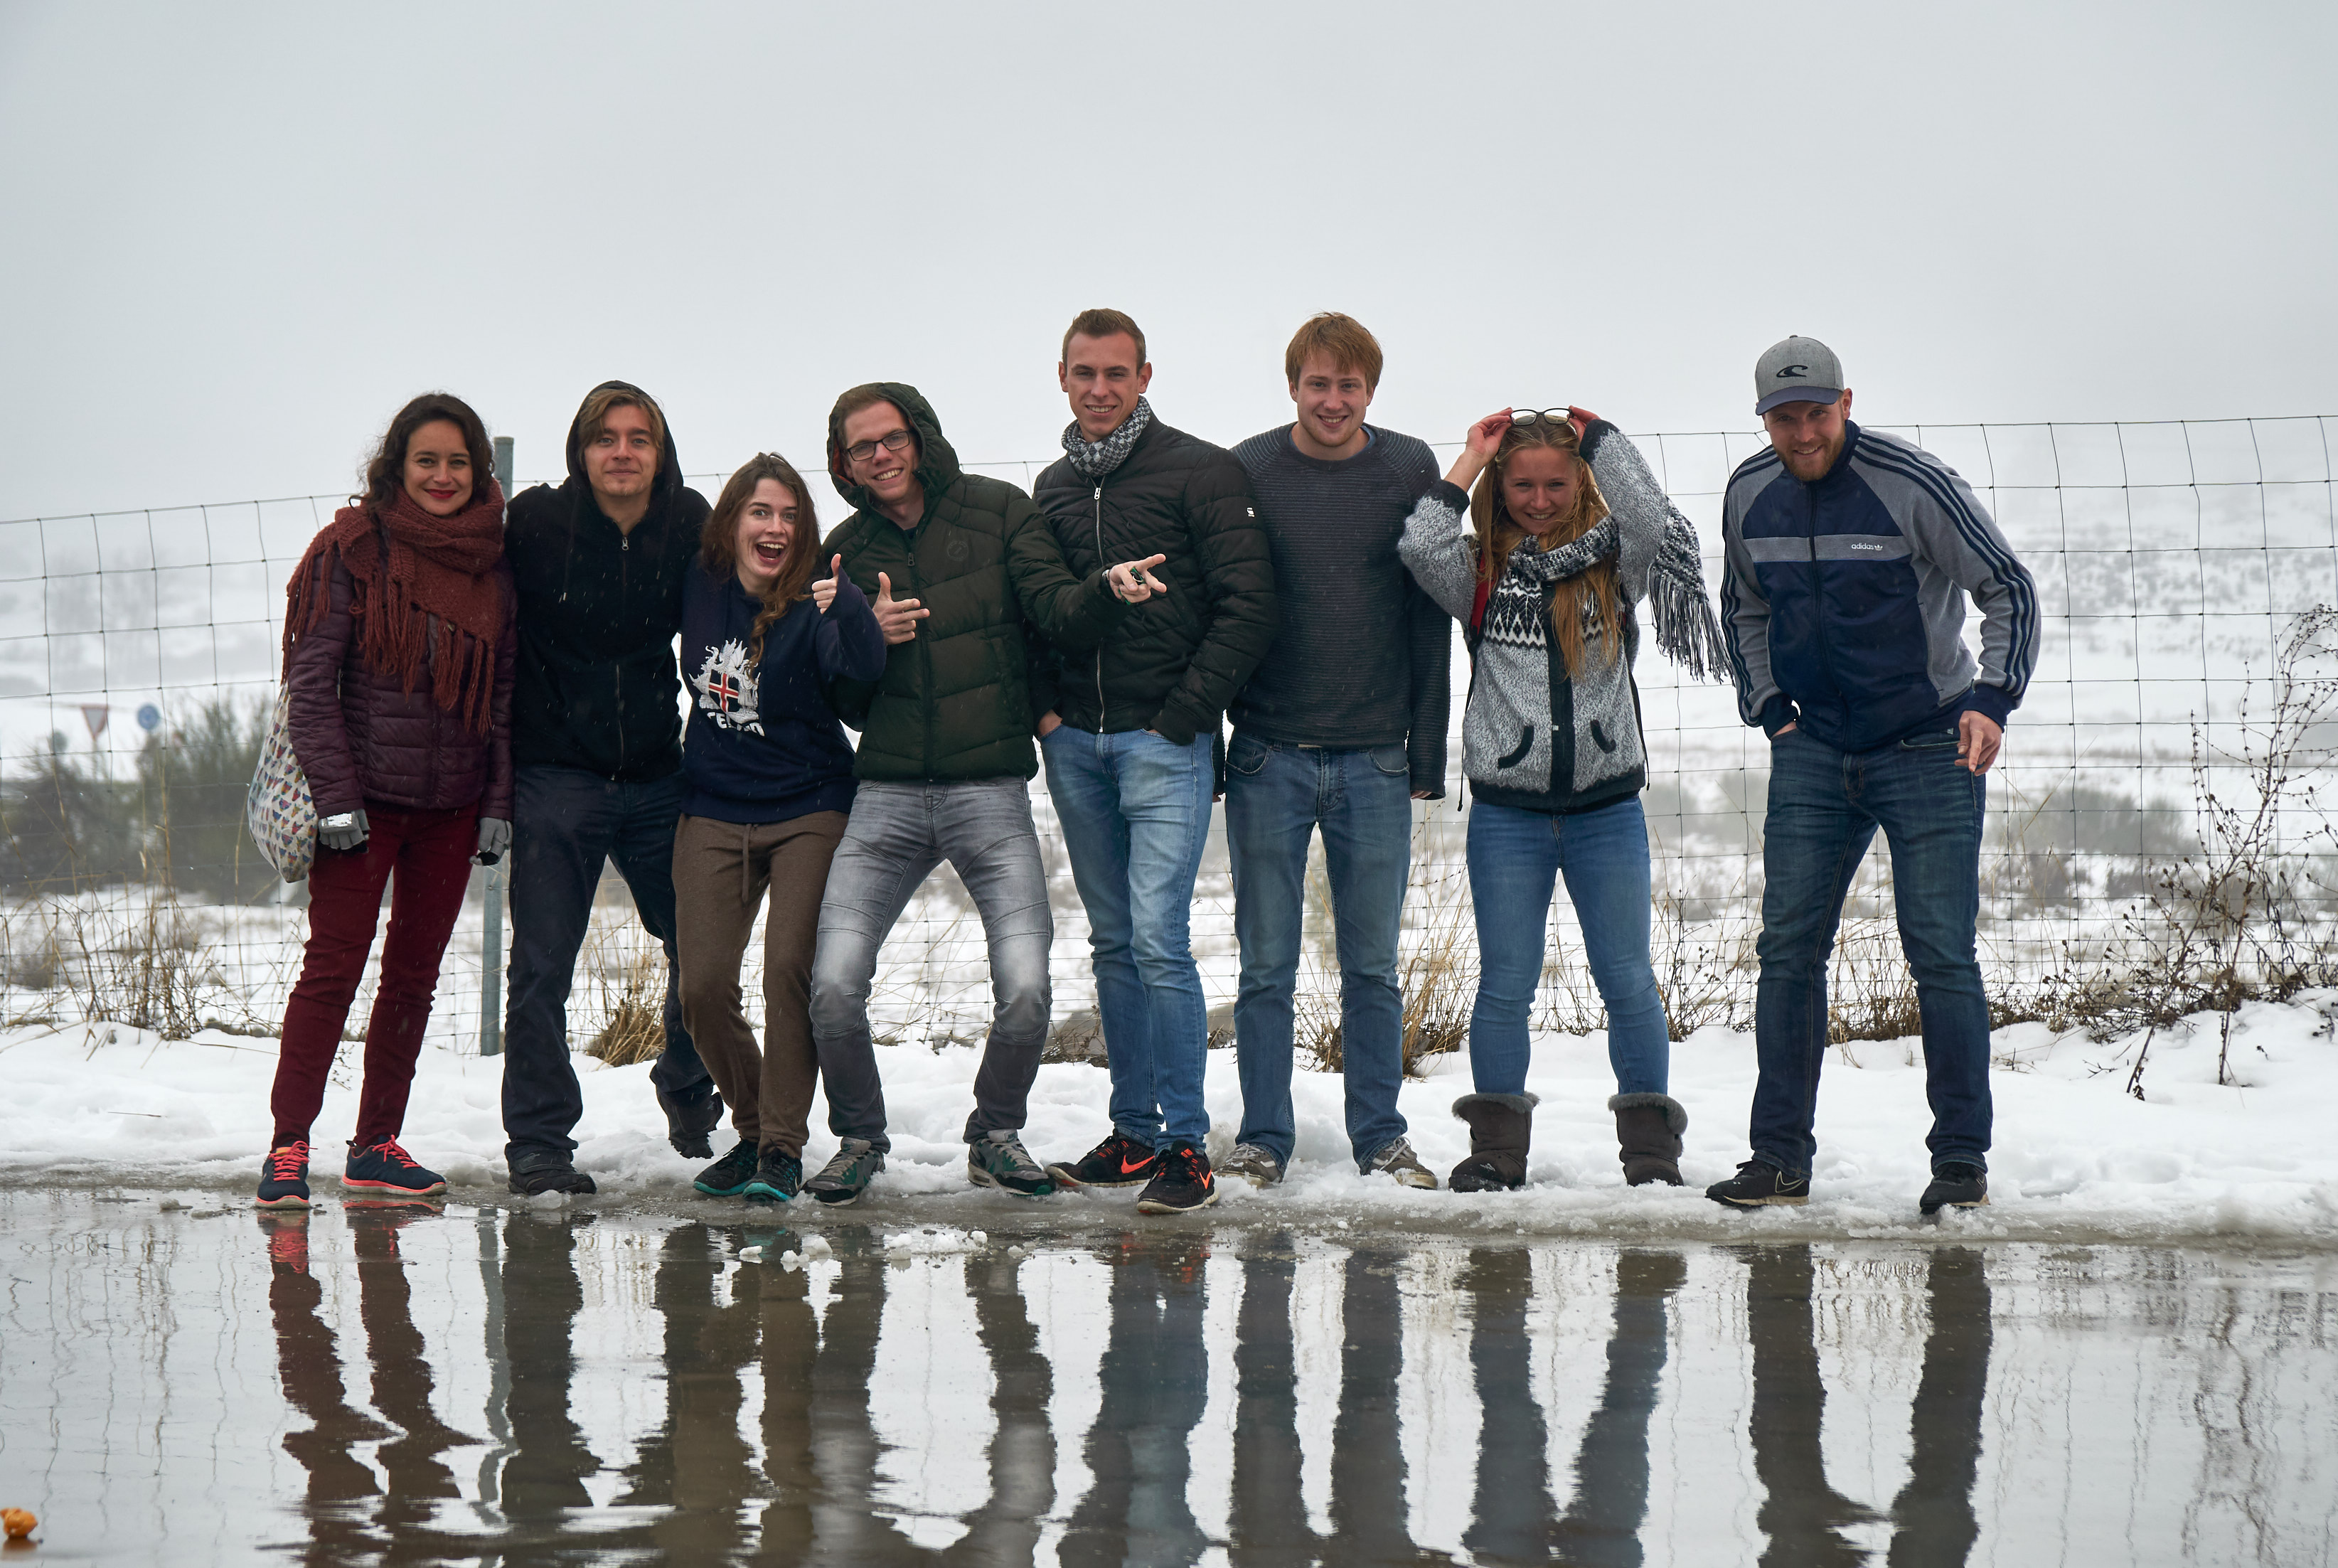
(361, 738)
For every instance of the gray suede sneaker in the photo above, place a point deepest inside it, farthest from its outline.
(997, 1159)
(847, 1173)
(1398, 1159)
(1251, 1164)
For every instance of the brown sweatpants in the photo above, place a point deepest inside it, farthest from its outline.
(720, 870)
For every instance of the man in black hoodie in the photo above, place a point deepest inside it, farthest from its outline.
(596, 749)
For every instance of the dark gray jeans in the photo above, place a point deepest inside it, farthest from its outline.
(897, 834)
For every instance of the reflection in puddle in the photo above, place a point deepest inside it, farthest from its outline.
(415, 1387)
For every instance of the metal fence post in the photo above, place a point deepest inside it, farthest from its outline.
(491, 930)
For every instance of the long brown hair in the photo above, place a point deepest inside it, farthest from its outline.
(385, 474)
(718, 544)
(1498, 534)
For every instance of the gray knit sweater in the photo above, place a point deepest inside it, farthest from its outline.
(1533, 737)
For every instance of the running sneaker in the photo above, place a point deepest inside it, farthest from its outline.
(1956, 1185)
(552, 1174)
(997, 1159)
(777, 1176)
(848, 1173)
(1119, 1161)
(728, 1177)
(1253, 1163)
(1182, 1185)
(1758, 1182)
(383, 1167)
(1397, 1159)
(284, 1177)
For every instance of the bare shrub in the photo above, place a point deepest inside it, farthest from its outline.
(623, 981)
(1437, 963)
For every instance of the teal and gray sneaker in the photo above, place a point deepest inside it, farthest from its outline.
(728, 1177)
(847, 1173)
(997, 1159)
(778, 1176)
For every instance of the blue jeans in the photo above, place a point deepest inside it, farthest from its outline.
(1135, 808)
(1516, 859)
(897, 835)
(1276, 797)
(1825, 806)
(566, 824)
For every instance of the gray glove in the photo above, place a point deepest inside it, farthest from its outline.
(345, 831)
(495, 838)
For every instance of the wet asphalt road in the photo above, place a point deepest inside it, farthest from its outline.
(206, 1384)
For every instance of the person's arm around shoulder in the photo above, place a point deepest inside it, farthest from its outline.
(850, 645)
(312, 680)
(1237, 576)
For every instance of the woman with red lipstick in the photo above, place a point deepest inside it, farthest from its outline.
(398, 660)
(769, 777)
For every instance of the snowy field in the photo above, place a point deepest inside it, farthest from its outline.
(2076, 1158)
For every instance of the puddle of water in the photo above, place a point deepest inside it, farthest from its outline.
(415, 1387)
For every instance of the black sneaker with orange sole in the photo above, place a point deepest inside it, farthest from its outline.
(1119, 1161)
(1182, 1185)
(385, 1169)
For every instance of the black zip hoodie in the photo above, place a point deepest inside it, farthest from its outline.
(597, 687)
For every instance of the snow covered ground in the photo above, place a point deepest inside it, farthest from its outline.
(2076, 1158)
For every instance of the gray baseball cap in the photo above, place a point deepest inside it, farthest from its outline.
(1797, 370)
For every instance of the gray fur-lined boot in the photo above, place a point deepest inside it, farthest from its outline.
(1648, 1129)
(1501, 1127)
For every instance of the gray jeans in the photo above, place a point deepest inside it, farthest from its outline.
(897, 835)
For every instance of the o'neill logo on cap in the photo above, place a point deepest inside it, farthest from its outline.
(1792, 371)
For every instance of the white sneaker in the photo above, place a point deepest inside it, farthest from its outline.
(1251, 1164)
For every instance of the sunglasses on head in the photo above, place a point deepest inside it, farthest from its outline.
(1539, 417)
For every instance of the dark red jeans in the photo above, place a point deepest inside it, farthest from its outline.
(429, 853)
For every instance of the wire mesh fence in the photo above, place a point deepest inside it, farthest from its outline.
(2180, 703)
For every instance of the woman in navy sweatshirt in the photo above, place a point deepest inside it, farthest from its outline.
(770, 780)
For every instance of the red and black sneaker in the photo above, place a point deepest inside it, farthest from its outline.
(1183, 1184)
(386, 1168)
(1119, 1161)
(284, 1177)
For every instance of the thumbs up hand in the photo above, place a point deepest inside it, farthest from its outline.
(823, 591)
(896, 618)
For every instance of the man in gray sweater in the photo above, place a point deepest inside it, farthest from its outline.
(1341, 727)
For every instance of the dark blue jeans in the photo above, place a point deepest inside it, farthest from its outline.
(1134, 809)
(1277, 795)
(566, 822)
(1516, 860)
(1825, 806)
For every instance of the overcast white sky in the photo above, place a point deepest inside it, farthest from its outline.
(239, 236)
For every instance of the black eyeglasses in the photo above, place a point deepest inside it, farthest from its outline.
(892, 441)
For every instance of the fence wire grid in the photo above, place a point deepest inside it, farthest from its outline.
(138, 656)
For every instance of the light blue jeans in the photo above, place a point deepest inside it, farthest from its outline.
(1277, 795)
(1135, 808)
(1516, 859)
(897, 835)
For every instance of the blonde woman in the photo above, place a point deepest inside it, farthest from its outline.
(1548, 564)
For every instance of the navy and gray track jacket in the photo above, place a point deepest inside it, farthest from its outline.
(1842, 599)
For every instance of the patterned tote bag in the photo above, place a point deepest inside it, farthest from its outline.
(282, 818)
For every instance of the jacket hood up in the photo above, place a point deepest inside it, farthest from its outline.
(936, 468)
(669, 469)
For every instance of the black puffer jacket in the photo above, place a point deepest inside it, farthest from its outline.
(597, 687)
(1179, 658)
(955, 700)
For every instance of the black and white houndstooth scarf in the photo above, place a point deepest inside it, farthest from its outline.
(1679, 612)
(1095, 459)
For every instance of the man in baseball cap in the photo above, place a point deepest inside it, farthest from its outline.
(1849, 554)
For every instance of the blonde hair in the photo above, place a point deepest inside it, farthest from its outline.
(1594, 590)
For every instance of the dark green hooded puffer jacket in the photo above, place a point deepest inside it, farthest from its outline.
(954, 703)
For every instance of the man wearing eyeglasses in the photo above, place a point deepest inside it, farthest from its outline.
(1341, 728)
(955, 566)
(1849, 556)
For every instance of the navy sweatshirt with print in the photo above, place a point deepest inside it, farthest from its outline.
(763, 744)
